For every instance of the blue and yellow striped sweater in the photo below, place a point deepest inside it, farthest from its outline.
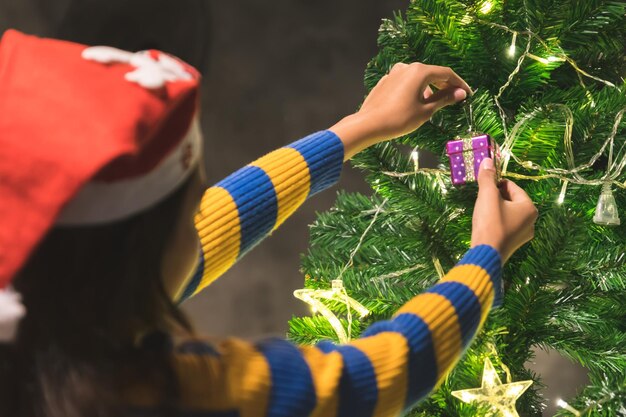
(393, 365)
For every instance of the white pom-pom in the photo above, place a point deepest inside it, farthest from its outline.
(11, 312)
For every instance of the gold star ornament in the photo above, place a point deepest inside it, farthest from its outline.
(336, 293)
(500, 397)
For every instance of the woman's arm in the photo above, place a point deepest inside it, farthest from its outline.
(240, 211)
(396, 362)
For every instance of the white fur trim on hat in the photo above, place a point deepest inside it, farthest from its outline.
(101, 202)
(11, 312)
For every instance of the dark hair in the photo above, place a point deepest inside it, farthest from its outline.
(89, 292)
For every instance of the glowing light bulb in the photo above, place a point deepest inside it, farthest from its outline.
(550, 59)
(486, 7)
(561, 198)
(512, 47)
(566, 406)
(336, 293)
(415, 158)
(467, 19)
(506, 157)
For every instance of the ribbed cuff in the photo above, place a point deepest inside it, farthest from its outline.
(490, 260)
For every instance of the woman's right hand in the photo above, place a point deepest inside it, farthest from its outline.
(400, 103)
(504, 215)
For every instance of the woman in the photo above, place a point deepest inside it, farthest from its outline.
(101, 215)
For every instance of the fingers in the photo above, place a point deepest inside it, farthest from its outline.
(487, 189)
(513, 192)
(428, 92)
(443, 98)
(443, 75)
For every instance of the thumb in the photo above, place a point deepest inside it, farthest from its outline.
(445, 97)
(487, 179)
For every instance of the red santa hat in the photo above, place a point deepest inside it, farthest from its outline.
(88, 135)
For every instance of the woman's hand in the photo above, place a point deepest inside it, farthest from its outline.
(504, 215)
(400, 103)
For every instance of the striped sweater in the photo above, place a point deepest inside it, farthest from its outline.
(392, 366)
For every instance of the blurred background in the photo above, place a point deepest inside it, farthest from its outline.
(273, 72)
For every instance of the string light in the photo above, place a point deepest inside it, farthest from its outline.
(508, 82)
(561, 198)
(566, 406)
(338, 292)
(500, 397)
(467, 19)
(437, 263)
(415, 158)
(548, 60)
(396, 274)
(592, 102)
(512, 47)
(486, 7)
(506, 157)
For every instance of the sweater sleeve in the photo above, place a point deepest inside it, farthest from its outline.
(238, 212)
(392, 366)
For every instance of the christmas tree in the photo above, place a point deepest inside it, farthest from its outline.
(549, 89)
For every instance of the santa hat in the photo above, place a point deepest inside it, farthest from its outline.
(87, 136)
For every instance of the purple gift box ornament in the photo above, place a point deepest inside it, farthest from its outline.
(467, 154)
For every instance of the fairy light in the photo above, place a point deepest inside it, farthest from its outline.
(566, 175)
(338, 292)
(437, 264)
(512, 47)
(564, 405)
(506, 157)
(592, 102)
(561, 198)
(415, 158)
(486, 7)
(396, 274)
(548, 60)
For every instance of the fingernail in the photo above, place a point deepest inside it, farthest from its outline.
(487, 163)
(459, 94)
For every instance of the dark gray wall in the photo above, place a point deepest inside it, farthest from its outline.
(273, 72)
